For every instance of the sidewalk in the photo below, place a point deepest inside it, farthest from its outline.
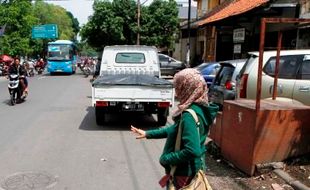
(224, 176)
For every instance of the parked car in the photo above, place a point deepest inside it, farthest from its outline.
(293, 79)
(224, 84)
(169, 65)
(208, 71)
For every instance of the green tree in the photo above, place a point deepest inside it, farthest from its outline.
(115, 22)
(159, 24)
(75, 23)
(104, 27)
(68, 26)
(125, 11)
(86, 50)
(18, 18)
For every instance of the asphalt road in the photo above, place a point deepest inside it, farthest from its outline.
(51, 141)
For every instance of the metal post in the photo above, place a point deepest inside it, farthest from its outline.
(276, 74)
(260, 63)
(138, 22)
(188, 55)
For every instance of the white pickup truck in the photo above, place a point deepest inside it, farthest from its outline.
(130, 80)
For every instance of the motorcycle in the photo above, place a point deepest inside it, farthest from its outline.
(29, 68)
(39, 66)
(3, 69)
(39, 69)
(85, 68)
(15, 89)
(86, 71)
(30, 72)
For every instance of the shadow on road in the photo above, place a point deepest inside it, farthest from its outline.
(6, 102)
(57, 74)
(117, 121)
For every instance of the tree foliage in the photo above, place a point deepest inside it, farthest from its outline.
(115, 22)
(86, 50)
(110, 24)
(54, 14)
(20, 16)
(18, 19)
(160, 24)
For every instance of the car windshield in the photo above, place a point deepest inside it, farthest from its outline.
(130, 58)
(59, 52)
(225, 74)
(248, 61)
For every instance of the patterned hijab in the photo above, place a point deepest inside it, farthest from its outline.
(190, 87)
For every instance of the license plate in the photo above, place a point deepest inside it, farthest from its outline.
(133, 107)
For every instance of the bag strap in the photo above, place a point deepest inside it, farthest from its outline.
(178, 139)
(193, 113)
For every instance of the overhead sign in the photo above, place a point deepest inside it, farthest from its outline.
(45, 31)
(239, 35)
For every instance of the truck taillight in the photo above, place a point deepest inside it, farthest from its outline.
(101, 104)
(243, 85)
(163, 104)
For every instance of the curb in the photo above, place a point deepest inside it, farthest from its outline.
(291, 181)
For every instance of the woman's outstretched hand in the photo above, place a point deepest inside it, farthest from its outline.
(140, 133)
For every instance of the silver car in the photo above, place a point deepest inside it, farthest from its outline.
(293, 80)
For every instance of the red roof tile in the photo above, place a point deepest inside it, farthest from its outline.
(235, 7)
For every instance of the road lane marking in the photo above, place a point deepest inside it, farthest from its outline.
(41, 78)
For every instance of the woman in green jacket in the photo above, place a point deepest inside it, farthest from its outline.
(191, 91)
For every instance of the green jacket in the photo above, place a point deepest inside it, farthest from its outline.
(189, 158)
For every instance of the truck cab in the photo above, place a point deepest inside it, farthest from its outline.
(130, 59)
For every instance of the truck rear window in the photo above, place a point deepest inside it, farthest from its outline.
(130, 58)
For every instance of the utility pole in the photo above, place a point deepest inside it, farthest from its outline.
(188, 54)
(138, 22)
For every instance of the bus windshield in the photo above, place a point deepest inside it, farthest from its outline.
(60, 52)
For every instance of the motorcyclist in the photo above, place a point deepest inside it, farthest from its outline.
(18, 69)
(97, 69)
(39, 64)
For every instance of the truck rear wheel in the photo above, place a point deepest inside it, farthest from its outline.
(162, 115)
(100, 116)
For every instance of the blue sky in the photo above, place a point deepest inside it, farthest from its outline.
(81, 9)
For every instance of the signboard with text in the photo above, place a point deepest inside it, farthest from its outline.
(239, 35)
(45, 31)
(237, 48)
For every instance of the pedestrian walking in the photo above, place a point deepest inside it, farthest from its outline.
(192, 120)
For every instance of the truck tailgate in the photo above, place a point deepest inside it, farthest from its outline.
(133, 93)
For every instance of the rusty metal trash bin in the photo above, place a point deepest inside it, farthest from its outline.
(277, 131)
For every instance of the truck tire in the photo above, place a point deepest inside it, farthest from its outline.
(100, 116)
(162, 115)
